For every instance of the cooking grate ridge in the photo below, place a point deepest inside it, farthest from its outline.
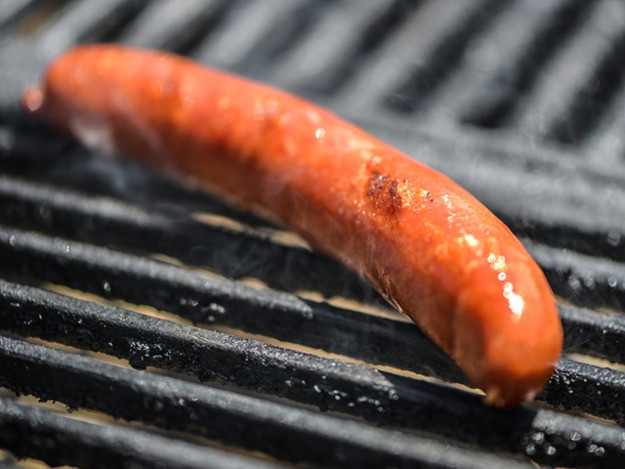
(148, 231)
(62, 268)
(559, 115)
(568, 112)
(168, 25)
(213, 300)
(369, 389)
(284, 431)
(73, 442)
(491, 83)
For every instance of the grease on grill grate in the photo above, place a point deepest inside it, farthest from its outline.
(186, 334)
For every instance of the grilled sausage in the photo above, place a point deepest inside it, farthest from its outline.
(425, 243)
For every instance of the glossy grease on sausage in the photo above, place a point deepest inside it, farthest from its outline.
(426, 244)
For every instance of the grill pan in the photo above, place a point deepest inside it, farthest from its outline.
(183, 333)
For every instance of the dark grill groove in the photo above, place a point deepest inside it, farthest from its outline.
(343, 35)
(549, 111)
(588, 106)
(215, 301)
(492, 98)
(283, 431)
(75, 215)
(165, 25)
(429, 73)
(65, 214)
(57, 440)
(355, 389)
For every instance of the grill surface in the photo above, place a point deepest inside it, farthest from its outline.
(216, 339)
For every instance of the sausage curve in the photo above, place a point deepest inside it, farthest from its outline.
(425, 243)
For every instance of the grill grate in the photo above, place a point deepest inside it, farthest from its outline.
(381, 397)
(520, 101)
(67, 441)
(283, 431)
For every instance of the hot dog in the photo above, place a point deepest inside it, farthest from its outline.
(426, 244)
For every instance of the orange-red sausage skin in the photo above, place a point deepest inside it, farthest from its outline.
(426, 244)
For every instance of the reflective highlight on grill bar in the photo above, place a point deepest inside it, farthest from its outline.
(263, 352)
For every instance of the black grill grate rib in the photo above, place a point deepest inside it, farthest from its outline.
(272, 30)
(398, 58)
(57, 440)
(283, 431)
(107, 221)
(505, 61)
(557, 105)
(85, 21)
(336, 38)
(606, 146)
(212, 300)
(76, 215)
(172, 26)
(329, 384)
(518, 100)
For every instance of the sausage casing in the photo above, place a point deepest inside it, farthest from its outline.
(425, 243)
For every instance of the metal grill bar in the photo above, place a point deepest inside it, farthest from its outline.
(587, 388)
(234, 253)
(582, 279)
(171, 25)
(214, 300)
(395, 60)
(606, 146)
(147, 341)
(64, 213)
(84, 21)
(335, 39)
(550, 108)
(597, 334)
(289, 433)
(72, 442)
(502, 59)
(381, 397)
(227, 48)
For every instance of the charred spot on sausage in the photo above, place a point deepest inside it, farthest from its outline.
(384, 192)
